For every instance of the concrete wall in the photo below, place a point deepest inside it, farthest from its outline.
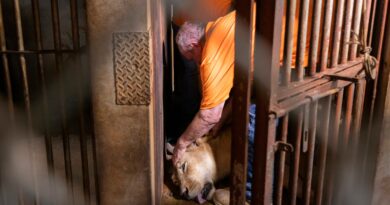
(121, 127)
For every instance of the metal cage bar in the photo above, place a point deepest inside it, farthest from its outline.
(269, 14)
(80, 94)
(43, 85)
(288, 42)
(294, 169)
(241, 99)
(323, 141)
(302, 35)
(6, 67)
(337, 33)
(326, 35)
(58, 65)
(347, 30)
(282, 161)
(356, 28)
(310, 153)
(27, 100)
(315, 37)
(348, 115)
(333, 148)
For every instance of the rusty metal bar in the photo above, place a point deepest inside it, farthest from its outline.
(42, 76)
(357, 112)
(269, 14)
(310, 158)
(337, 33)
(366, 19)
(294, 169)
(372, 22)
(6, 68)
(356, 27)
(80, 95)
(347, 30)
(315, 37)
(288, 42)
(282, 160)
(348, 115)
(58, 65)
(326, 35)
(333, 145)
(27, 103)
(323, 133)
(23, 64)
(241, 99)
(302, 36)
(349, 69)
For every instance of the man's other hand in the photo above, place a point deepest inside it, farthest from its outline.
(180, 149)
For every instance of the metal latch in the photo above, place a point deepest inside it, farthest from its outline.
(341, 77)
(283, 146)
(305, 133)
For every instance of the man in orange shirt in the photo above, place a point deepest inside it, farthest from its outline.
(212, 47)
(182, 100)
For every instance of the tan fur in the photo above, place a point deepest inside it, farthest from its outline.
(208, 160)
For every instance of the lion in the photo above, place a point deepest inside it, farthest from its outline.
(203, 164)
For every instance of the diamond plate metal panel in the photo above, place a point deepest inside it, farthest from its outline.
(131, 67)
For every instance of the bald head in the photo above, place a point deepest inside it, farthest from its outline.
(189, 39)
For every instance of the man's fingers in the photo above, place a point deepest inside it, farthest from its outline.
(170, 148)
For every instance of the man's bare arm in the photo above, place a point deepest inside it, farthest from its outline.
(200, 125)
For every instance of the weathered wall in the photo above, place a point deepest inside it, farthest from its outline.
(121, 128)
(381, 194)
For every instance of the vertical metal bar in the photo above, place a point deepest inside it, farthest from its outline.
(347, 30)
(323, 138)
(288, 42)
(348, 115)
(356, 27)
(172, 51)
(6, 67)
(310, 158)
(315, 37)
(333, 145)
(302, 36)
(294, 169)
(326, 35)
(282, 160)
(372, 22)
(357, 113)
(26, 92)
(23, 63)
(269, 14)
(367, 18)
(80, 95)
(241, 99)
(58, 61)
(337, 33)
(38, 38)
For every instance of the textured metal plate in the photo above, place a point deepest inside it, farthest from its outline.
(131, 67)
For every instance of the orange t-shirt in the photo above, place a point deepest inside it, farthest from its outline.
(217, 64)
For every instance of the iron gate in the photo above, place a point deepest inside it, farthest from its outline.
(313, 140)
(46, 86)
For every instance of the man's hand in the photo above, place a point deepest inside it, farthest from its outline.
(180, 149)
(202, 123)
